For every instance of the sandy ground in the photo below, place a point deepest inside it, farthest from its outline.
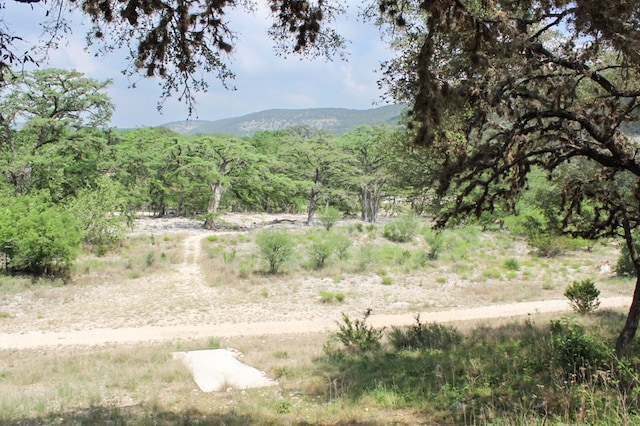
(181, 305)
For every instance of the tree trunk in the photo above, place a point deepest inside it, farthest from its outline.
(364, 201)
(623, 344)
(312, 206)
(216, 196)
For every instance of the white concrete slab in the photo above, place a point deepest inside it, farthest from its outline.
(218, 369)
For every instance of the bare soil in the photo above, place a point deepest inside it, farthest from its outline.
(177, 302)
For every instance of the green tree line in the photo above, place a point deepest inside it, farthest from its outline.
(63, 168)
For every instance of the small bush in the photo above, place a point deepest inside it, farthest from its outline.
(366, 256)
(340, 297)
(150, 258)
(583, 296)
(321, 249)
(578, 354)
(329, 216)
(387, 280)
(435, 240)
(37, 237)
(512, 264)
(356, 227)
(326, 296)
(229, 256)
(402, 229)
(357, 336)
(422, 336)
(275, 248)
(624, 266)
(341, 246)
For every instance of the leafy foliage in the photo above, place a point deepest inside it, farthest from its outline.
(322, 247)
(624, 265)
(402, 229)
(566, 87)
(329, 216)
(357, 336)
(579, 354)
(102, 214)
(275, 247)
(583, 296)
(38, 237)
(422, 336)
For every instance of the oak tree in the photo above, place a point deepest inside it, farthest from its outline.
(501, 88)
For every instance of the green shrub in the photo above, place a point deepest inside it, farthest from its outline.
(341, 246)
(549, 245)
(366, 256)
(326, 296)
(578, 354)
(357, 336)
(356, 227)
(94, 211)
(229, 256)
(37, 237)
(583, 296)
(150, 258)
(340, 297)
(624, 266)
(422, 336)
(435, 240)
(275, 247)
(321, 249)
(329, 216)
(512, 264)
(402, 229)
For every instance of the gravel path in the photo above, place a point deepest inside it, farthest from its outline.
(103, 336)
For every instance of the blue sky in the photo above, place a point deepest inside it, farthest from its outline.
(263, 80)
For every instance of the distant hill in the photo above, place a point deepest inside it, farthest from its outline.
(333, 120)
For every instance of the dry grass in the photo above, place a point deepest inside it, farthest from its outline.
(140, 383)
(131, 287)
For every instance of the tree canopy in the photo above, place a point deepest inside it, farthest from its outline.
(499, 89)
(180, 42)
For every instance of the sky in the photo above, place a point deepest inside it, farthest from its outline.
(263, 80)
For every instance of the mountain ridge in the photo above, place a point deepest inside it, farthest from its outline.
(333, 120)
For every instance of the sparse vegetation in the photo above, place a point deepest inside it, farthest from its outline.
(424, 364)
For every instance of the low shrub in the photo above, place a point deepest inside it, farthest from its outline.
(326, 296)
(275, 247)
(402, 229)
(624, 266)
(329, 216)
(357, 336)
(512, 264)
(421, 336)
(583, 296)
(578, 354)
(321, 249)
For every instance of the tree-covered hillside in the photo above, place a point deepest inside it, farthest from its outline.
(336, 121)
